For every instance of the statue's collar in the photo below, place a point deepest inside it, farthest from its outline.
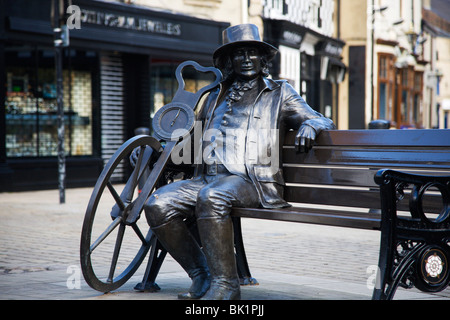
(269, 84)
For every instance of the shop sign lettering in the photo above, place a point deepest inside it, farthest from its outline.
(333, 50)
(79, 16)
(292, 37)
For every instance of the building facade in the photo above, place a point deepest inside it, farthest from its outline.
(443, 79)
(117, 71)
(310, 53)
(392, 50)
(354, 61)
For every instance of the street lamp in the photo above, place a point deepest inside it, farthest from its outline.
(374, 10)
(61, 40)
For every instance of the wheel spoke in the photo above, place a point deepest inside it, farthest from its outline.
(145, 161)
(128, 191)
(116, 252)
(155, 174)
(116, 196)
(139, 233)
(137, 167)
(105, 233)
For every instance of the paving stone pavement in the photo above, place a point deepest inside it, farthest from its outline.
(39, 257)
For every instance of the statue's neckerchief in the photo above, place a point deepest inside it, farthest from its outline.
(237, 90)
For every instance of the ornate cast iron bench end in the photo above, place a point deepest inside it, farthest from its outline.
(415, 232)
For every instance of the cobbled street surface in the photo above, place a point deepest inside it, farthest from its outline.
(40, 240)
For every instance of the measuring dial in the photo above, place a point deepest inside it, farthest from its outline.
(171, 117)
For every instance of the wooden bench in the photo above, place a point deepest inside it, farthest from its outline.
(334, 185)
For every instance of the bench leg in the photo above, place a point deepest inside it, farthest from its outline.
(155, 260)
(394, 265)
(241, 259)
(385, 266)
(386, 255)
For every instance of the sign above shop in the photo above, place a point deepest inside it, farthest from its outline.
(117, 26)
(293, 38)
(333, 49)
(130, 22)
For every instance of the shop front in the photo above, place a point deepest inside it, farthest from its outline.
(117, 70)
(310, 61)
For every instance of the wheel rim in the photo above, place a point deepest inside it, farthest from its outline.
(105, 265)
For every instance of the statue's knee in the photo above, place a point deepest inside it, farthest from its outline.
(211, 203)
(156, 211)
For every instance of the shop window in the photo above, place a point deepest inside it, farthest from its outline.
(417, 92)
(306, 77)
(383, 96)
(290, 66)
(279, 5)
(163, 84)
(446, 120)
(31, 106)
(404, 107)
(319, 17)
(406, 98)
(386, 78)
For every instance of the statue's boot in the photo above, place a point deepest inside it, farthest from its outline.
(216, 235)
(182, 246)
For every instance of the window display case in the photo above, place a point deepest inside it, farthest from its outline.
(31, 108)
(164, 85)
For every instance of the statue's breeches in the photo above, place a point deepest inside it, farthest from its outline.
(202, 197)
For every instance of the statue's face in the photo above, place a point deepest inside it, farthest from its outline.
(246, 62)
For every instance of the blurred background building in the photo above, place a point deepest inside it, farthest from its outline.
(354, 61)
(398, 56)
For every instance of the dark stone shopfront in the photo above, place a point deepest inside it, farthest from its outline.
(117, 71)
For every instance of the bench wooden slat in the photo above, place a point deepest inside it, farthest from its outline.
(308, 215)
(342, 176)
(333, 197)
(375, 158)
(330, 176)
(425, 138)
(369, 199)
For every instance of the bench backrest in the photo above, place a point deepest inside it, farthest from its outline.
(340, 168)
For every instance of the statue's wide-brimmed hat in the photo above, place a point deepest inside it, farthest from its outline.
(242, 35)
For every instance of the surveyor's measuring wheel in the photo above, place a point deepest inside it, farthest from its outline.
(105, 267)
(113, 212)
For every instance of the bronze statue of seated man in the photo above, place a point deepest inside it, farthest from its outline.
(243, 122)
